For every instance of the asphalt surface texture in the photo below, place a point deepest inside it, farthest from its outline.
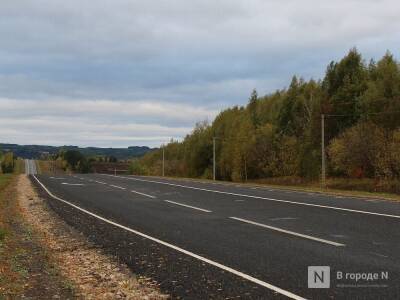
(223, 241)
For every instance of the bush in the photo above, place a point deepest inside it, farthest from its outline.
(136, 168)
(360, 151)
(73, 157)
(7, 164)
(74, 160)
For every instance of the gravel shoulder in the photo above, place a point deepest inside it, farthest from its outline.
(26, 271)
(87, 270)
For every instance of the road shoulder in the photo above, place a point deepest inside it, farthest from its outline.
(25, 268)
(89, 272)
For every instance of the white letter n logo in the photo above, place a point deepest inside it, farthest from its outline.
(319, 277)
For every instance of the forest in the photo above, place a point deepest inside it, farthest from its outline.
(279, 135)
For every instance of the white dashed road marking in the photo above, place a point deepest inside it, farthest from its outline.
(189, 206)
(143, 194)
(290, 232)
(118, 187)
(100, 182)
(259, 197)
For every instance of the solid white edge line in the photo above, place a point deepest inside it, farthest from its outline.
(143, 194)
(263, 198)
(289, 232)
(189, 206)
(201, 258)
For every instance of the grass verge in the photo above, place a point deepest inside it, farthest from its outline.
(19, 167)
(25, 269)
(303, 187)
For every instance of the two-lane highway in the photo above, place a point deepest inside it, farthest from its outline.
(265, 237)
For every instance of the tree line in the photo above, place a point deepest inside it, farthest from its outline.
(279, 134)
(76, 161)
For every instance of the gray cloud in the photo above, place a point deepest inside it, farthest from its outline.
(97, 123)
(207, 54)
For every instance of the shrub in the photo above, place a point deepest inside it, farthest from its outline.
(136, 168)
(366, 150)
(7, 164)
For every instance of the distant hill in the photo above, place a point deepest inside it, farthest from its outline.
(36, 151)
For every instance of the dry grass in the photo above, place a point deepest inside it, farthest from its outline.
(43, 166)
(5, 179)
(49, 167)
(335, 186)
(365, 187)
(19, 167)
(24, 268)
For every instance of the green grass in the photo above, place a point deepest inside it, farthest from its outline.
(18, 263)
(19, 167)
(4, 180)
(3, 234)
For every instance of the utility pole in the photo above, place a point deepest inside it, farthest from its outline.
(214, 164)
(163, 161)
(245, 169)
(323, 171)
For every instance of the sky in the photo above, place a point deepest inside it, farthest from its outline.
(119, 73)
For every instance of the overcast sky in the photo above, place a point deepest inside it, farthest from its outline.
(117, 73)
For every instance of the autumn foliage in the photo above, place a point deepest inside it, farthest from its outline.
(280, 134)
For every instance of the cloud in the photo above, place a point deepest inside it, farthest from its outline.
(107, 110)
(174, 61)
(96, 123)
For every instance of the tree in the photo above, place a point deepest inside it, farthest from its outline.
(76, 161)
(286, 114)
(252, 108)
(198, 150)
(280, 134)
(136, 168)
(356, 152)
(7, 163)
(263, 153)
(344, 84)
(381, 101)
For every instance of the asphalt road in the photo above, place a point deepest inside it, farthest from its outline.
(205, 240)
(30, 167)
